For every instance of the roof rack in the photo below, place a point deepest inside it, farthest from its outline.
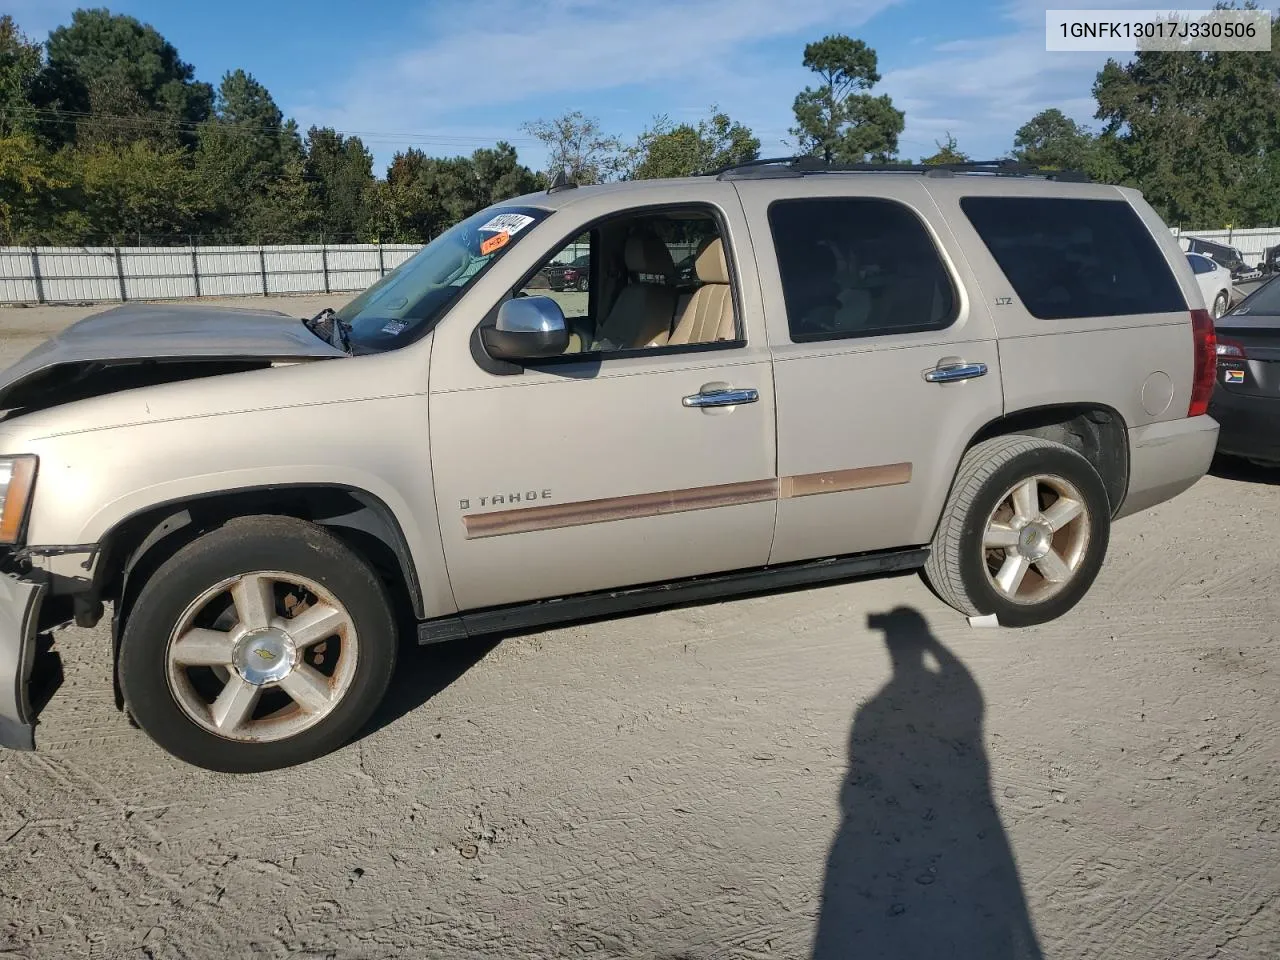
(774, 167)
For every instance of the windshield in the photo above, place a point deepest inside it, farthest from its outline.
(408, 301)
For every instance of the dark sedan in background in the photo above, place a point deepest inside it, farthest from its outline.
(1246, 399)
(573, 275)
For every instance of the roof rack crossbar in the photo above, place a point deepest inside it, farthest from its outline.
(800, 165)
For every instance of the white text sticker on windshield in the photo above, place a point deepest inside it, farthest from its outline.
(394, 327)
(511, 223)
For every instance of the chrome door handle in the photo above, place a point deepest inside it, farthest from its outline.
(951, 372)
(722, 398)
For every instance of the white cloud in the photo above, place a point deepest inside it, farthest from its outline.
(501, 53)
(983, 90)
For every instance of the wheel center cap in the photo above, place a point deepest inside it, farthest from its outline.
(265, 656)
(1035, 541)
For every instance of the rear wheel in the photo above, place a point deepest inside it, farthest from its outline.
(1220, 305)
(262, 644)
(1023, 534)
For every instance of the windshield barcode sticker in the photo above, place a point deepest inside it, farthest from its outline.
(511, 223)
(394, 327)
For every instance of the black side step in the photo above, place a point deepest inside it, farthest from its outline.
(589, 606)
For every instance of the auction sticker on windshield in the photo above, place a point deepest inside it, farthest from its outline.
(510, 223)
(494, 243)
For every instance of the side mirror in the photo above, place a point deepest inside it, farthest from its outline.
(527, 328)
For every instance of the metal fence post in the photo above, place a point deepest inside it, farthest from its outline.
(262, 264)
(120, 275)
(35, 275)
(195, 264)
(324, 263)
(382, 267)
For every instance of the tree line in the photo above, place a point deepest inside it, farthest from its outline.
(106, 135)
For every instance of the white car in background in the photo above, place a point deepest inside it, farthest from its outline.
(1215, 282)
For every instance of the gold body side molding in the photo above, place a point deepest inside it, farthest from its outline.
(498, 523)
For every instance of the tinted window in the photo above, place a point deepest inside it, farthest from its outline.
(855, 267)
(1076, 258)
(1200, 264)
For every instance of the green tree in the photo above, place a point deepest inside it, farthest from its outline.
(948, 152)
(20, 64)
(241, 154)
(577, 145)
(665, 150)
(287, 211)
(839, 121)
(1054, 141)
(1197, 132)
(138, 191)
(128, 76)
(423, 195)
(342, 171)
(29, 186)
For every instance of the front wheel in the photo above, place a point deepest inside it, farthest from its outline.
(1023, 534)
(262, 644)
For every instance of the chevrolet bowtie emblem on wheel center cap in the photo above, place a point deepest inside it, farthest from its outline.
(265, 656)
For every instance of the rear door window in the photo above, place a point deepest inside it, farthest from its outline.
(858, 267)
(1200, 264)
(1070, 258)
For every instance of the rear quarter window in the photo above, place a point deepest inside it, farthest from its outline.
(1069, 258)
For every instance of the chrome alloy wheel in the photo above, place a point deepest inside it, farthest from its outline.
(262, 656)
(1036, 538)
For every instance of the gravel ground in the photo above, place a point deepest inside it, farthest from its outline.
(849, 771)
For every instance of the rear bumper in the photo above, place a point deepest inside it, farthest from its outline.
(19, 615)
(1250, 425)
(1166, 459)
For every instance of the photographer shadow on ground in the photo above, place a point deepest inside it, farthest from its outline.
(921, 866)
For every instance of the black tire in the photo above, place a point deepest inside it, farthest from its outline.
(956, 569)
(241, 546)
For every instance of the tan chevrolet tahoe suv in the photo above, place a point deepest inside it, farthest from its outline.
(972, 371)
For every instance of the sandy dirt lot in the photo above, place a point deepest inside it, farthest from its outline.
(849, 771)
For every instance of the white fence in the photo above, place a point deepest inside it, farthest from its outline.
(92, 274)
(1250, 243)
(95, 274)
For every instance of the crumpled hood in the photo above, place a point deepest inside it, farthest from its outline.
(188, 333)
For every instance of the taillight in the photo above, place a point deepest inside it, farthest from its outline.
(1205, 370)
(1230, 350)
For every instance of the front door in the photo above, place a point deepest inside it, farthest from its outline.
(604, 469)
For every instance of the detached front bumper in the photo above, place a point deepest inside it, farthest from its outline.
(20, 602)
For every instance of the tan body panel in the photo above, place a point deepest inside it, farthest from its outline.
(1109, 361)
(106, 459)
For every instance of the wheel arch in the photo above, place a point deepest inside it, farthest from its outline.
(141, 541)
(1095, 430)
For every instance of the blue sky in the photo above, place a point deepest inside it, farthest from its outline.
(451, 75)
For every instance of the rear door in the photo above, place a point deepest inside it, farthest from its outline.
(884, 367)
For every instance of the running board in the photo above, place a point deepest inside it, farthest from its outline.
(589, 606)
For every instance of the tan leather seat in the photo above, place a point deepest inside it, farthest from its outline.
(708, 316)
(642, 314)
